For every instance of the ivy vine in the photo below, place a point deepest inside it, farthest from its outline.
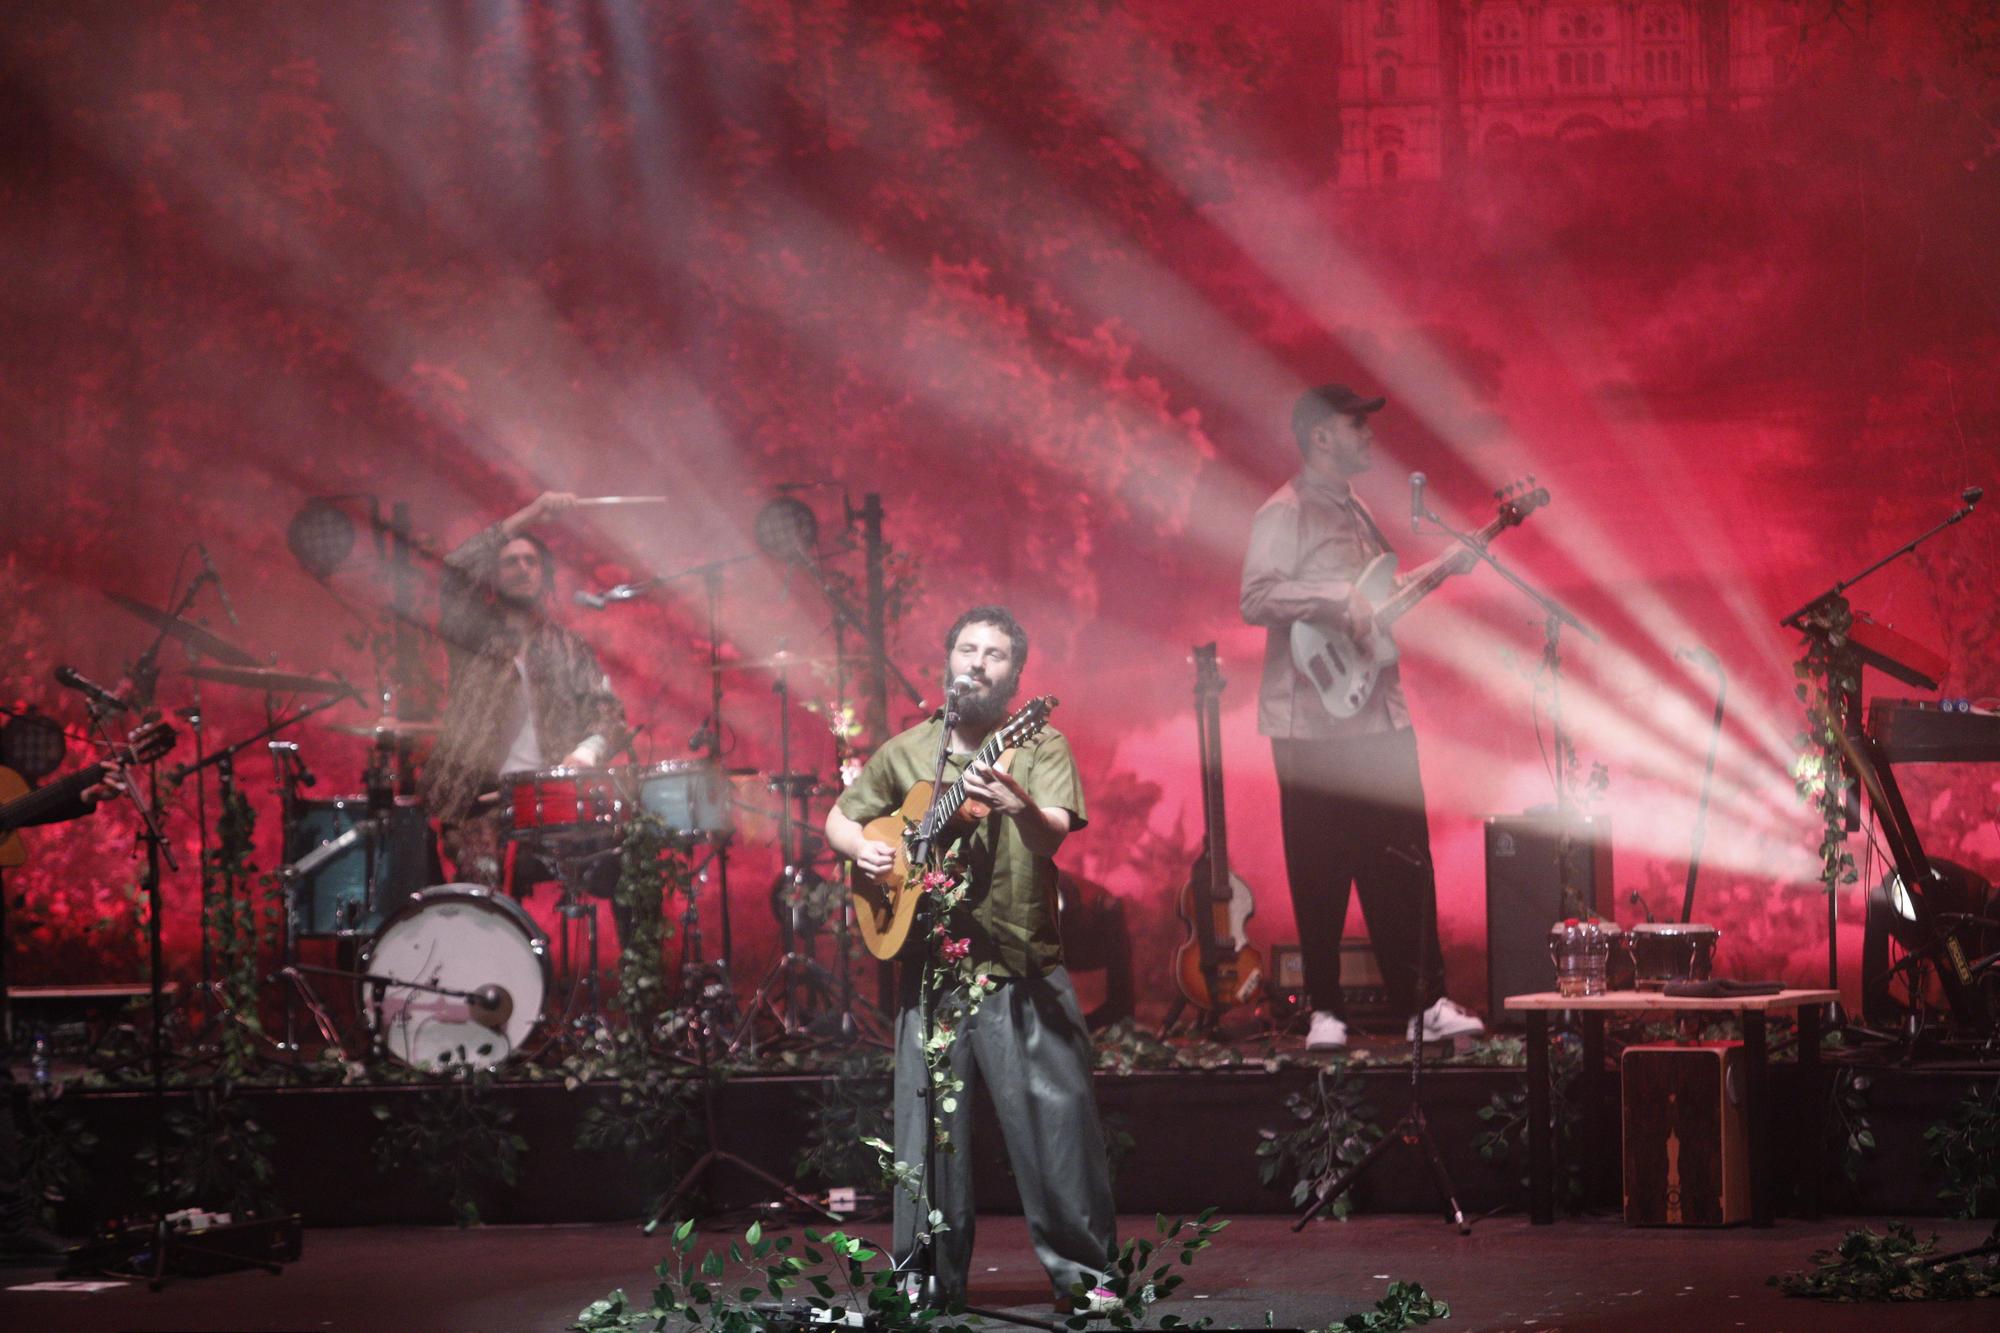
(1826, 673)
(1336, 1128)
(454, 1136)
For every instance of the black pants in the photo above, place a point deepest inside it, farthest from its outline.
(1353, 816)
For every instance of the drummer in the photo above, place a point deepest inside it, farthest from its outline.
(526, 692)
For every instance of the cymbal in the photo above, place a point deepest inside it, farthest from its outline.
(270, 679)
(785, 661)
(388, 728)
(187, 632)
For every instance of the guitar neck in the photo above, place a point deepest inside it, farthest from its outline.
(1424, 580)
(948, 804)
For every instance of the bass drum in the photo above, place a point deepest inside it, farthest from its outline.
(486, 958)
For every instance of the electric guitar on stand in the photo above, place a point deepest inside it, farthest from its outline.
(1343, 668)
(921, 830)
(1217, 969)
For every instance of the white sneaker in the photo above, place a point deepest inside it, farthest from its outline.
(1327, 1032)
(1446, 1018)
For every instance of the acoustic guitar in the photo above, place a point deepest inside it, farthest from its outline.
(1343, 669)
(927, 824)
(1216, 968)
(21, 804)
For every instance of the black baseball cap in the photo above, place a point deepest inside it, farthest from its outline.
(1330, 400)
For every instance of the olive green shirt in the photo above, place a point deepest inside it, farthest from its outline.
(1009, 912)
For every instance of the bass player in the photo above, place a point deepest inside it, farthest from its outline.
(1351, 799)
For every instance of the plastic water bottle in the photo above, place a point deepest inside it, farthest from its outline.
(1566, 952)
(1581, 951)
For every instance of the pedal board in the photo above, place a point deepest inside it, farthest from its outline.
(260, 1242)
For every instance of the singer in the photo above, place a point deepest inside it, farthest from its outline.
(1026, 1043)
(526, 692)
(1350, 797)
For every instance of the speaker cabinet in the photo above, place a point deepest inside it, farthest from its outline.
(1687, 1143)
(1524, 897)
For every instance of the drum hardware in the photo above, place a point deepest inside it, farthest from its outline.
(785, 660)
(271, 680)
(390, 730)
(171, 625)
(802, 996)
(577, 905)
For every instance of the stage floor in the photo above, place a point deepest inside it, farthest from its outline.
(1594, 1273)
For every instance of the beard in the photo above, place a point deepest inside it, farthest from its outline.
(983, 709)
(508, 601)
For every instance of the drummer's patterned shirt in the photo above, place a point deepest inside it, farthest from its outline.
(1009, 913)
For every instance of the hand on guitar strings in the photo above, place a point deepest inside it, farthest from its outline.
(1360, 613)
(875, 859)
(996, 788)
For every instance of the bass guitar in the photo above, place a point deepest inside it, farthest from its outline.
(1343, 668)
(1216, 967)
(927, 822)
(21, 804)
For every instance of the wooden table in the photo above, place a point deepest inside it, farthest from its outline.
(1751, 1009)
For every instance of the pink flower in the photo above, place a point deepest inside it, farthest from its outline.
(936, 881)
(954, 950)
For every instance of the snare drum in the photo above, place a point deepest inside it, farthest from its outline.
(462, 938)
(690, 796)
(562, 805)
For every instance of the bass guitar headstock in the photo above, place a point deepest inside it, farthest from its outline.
(1518, 499)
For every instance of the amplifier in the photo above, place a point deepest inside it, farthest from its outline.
(1687, 1143)
(1524, 897)
(1361, 988)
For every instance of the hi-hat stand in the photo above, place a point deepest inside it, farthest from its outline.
(788, 990)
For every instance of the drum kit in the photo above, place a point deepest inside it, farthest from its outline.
(446, 973)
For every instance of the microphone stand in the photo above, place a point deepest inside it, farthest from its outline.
(1969, 499)
(1847, 703)
(160, 1241)
(1707, 780)
(1413, 1128)
(1556, 615)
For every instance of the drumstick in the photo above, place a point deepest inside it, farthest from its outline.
(622, 500)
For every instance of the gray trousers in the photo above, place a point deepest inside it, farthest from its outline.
(1029, 1048)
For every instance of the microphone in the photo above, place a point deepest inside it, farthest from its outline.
(1971, 496)
(962, 686)
(208, 572)
(597, 601)
(91, 690)
(1698, 654)
(1417, 483)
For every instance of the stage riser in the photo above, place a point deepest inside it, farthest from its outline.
(1196, 1136)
